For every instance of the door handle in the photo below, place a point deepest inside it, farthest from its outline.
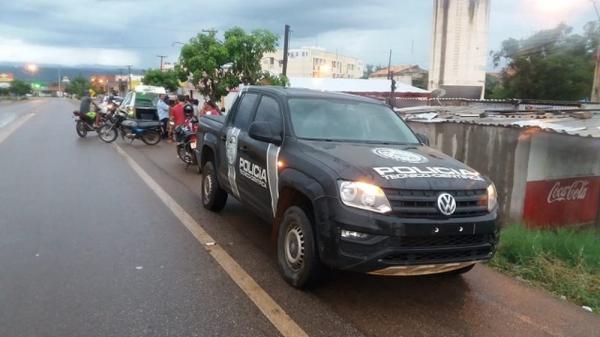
(243, 148)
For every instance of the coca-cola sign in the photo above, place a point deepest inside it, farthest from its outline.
(575, 191)
(561, 202)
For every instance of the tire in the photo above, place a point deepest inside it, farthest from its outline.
(214, 197)
(108, 133)
(460, 271)
(184, 155)
(151, 137)
(297, 255)
(81, 129)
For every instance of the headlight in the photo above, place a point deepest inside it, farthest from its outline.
(364, 196)
(492, 198)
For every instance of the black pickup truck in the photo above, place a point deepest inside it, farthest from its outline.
(346, 184)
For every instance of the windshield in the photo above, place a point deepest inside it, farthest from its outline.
(146, 100)
(347, 120)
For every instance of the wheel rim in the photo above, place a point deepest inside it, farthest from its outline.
(207, 188)
(107, 133)
(294, 247)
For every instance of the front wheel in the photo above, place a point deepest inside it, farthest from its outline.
(184, 155)
(81, 129)
(108, 133)
(151, 137)
(213, 196)
(297, 255)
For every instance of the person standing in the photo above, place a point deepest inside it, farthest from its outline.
(163, 114)
(177, 111)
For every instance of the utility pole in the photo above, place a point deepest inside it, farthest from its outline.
(59, 88)
(595, 97)
(162, 57)
(286, 42)
(391, 78)
(129, 77)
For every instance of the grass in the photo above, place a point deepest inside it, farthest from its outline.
(564, 261)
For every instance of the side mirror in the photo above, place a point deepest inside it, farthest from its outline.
(263, 132)
(423, 138)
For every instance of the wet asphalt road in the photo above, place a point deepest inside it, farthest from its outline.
(86, 249)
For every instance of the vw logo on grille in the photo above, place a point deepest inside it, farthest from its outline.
(446, 204)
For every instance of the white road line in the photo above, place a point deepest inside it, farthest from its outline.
(265, 303)
(14, 126)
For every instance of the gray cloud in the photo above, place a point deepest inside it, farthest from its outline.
(366, 29)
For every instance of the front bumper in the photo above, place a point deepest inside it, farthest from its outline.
(402, 246)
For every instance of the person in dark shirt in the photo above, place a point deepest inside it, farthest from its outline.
(85, 105)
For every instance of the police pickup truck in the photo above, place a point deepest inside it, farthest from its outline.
(346, 184)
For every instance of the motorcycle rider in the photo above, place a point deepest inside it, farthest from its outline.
(85, 105)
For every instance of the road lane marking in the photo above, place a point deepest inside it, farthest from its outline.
(14, 126)
(265, 303)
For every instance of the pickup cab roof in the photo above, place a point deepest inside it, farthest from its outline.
(299, 92)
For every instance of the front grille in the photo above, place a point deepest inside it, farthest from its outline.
(451, 240)
(423, 203)
(441, 256)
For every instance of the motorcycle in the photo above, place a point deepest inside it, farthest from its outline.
(148, 131)
(185, 136)
(84, 122)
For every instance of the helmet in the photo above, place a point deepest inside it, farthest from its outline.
(188, 109)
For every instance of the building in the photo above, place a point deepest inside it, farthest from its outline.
(313, 62)
(5, 80)
(459, 51)
(402, 73)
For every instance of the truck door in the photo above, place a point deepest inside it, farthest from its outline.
(258, 180)
(237, 126)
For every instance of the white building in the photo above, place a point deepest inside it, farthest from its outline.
(313, 62)
(459, 51)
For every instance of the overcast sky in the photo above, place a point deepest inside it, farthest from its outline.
(121, 32)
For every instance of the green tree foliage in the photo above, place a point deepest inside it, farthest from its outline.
(552, 64)
(168, 79)
(369, 69)
(19, 88)
(214, 66)
(78, 86)
(278, 80)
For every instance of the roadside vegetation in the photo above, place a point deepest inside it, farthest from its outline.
(563, 261)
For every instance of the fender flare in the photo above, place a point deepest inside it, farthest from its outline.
(314, 191)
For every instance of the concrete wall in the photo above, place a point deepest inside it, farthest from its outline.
(513, 156)
(498, 153)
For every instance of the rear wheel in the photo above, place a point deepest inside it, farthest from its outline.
(213, 196)
(108, 133)
(81, 129)
(151, 137)
(297, 255)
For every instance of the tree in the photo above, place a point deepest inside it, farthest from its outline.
(215, 66)
(551, 64)
(19, 88)
(169, 79)
(369, 69)
(78, 86)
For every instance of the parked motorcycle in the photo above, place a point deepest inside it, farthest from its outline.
(148, 131)
(185, 136)
(84, 122)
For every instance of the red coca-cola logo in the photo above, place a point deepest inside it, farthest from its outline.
(576, 191)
